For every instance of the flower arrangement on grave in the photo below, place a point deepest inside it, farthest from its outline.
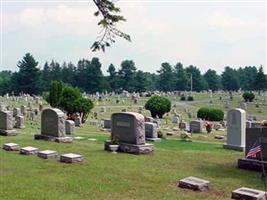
(208, 127)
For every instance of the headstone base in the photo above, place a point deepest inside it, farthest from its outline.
(194, 183)
(20, 127)
(53, 139)
(251, 164)
(47, 154)
(136, 149)
(153, 139)
(8, 132)
(248, 194)
(234, 147)
(11, 147)
(71, 158)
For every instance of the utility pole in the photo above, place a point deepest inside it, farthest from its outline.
(191, 80)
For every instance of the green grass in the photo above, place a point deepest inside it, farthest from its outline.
(104, 175)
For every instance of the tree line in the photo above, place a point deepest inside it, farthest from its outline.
(87, 75)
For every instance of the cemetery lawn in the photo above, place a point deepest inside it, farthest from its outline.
(104, 175)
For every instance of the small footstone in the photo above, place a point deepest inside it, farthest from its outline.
(47, 154)
(170, 133)
(194, 183)
(28, 150)
(78, 138)
(11, 147)
(71, 158)
(248, 194)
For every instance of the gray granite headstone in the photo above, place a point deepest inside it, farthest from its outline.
(151, 131)
(129, 129)
(6, 124)
(19, 122)
(69, 126)
(236, 129)
(196, 126)
(53, 126)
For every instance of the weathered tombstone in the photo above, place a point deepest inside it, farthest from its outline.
(32, 115)
(6, 124)
(194, 183)
(236, 128)
(23, 109)
(107, 123)
(78, 121)
(16, 112)
(69, 127)
(129, 129)
(151, 132)
(248, 193)
(196, 126)
(19, 122)
(243, 105)
(53, 126)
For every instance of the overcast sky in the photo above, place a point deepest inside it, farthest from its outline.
(205, 34)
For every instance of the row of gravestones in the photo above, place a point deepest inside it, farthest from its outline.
(46, 154)
(52, 121)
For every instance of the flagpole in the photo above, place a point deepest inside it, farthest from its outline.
(263, 175)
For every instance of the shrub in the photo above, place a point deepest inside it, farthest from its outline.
(69, 99)
(190, 98)
(248, 96)
(212, 114)
(158, 106)
(183, 98)
(160, 134)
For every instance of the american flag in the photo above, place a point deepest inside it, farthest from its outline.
(256, 148)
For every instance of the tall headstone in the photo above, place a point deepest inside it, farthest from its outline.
(236, 129)
(6, 124)
(53, 126)
(129, 129)
(19, 122)
(16, 112)
(69, 126)
(151, 131)
(23, 109)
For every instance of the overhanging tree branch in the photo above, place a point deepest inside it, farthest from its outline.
(110, 18)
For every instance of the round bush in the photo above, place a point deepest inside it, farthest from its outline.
(158, 106)
(248, 96)
(190, 98)
(212, 114)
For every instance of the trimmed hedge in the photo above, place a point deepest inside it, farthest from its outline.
(182, 98)
(158, 106)
(248, 96)
(212, 114)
